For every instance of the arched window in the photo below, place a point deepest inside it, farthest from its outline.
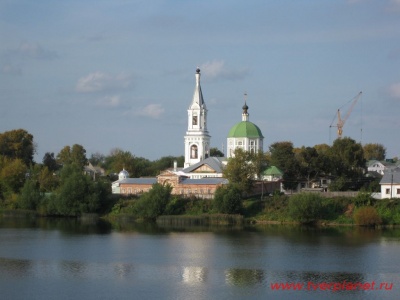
(193, 151)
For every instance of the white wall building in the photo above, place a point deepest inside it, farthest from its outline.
(197, 139)
(390, 184)
(245, 135)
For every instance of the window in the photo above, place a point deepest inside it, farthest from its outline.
(193, 151)
(398, 192)
(387, 191)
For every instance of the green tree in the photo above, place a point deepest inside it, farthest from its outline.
(228, 200)
(118, 160)
(78, 194)
(50, 161)
(282, 156)
(374, 151)
(12, 173)
(240, 170)
(72, 155)
(347, 162)
(30, 196)
(153, 203)
(305, 207)
(310, 162)
(17, 144)
(215, 152)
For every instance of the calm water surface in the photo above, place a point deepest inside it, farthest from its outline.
(68, 259)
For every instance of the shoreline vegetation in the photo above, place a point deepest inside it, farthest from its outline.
(298, 209)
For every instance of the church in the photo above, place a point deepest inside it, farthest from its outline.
(201, 174)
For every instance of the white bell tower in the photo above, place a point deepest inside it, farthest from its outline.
(197, 139)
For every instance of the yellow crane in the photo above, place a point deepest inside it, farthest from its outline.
(340, 121)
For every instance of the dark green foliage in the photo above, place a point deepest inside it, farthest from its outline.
(49, 161)
(30, 196)
(333, 208)
(389, 211)
(228, 200)
(364, 199)
(215, 152)
(367, 216)
(78, 194)
(154, 202)
(305, 207)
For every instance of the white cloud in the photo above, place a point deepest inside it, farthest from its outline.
(216, 69)
(152, 110)
(100, 81)
(394, 90)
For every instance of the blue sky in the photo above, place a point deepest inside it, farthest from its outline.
(121, 74)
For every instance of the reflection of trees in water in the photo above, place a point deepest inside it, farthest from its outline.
(15, 267)
(123, 270)
(244, 277)
(319, 277)
(74, 268)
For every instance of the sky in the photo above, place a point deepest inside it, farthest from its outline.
(109, 74)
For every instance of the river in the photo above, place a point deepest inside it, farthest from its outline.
(71, 259)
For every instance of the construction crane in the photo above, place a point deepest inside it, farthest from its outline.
(340, 121)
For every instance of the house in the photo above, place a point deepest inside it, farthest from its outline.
(203, 188)
(378, 166)
(93, 171)
(210, 167)
(390, 184)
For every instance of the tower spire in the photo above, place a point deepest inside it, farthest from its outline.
(245, 114)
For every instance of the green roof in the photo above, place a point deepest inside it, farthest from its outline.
(245, 129)
(272, 171)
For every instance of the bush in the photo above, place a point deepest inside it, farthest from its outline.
(30, 195)
(367, 216)
(228, 200)
(154, 202)
(305, 207)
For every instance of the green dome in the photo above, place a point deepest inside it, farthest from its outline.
(245, 129)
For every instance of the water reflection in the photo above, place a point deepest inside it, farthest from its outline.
(194, 275)
(244, 277)
(15, 267)
(151, 261)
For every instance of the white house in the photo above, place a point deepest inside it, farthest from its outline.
(390, 184)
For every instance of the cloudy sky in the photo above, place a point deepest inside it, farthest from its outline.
(121, 73)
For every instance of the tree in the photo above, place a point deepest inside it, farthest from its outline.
(215, 152)
(75, 155)
(348, 163)
(305, 207)
(49, 161)
(78, 194)
(118, 160)
(240, 170)
(17, 144)
(228, 199)
(310, 163)
(374, 151)
(282, 156)
(12, 173)
(30, 196)
(154, 202)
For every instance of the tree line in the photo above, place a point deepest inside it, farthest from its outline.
(25, 183)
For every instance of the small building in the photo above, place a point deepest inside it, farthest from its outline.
(203, 188)
(390, 184)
